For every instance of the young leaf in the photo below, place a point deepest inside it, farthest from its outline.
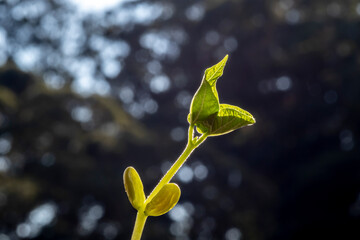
(228, 119)
(164, 200)
(206, 101)
(134, 188)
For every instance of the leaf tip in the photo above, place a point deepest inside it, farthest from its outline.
(253, 120)
(224, 60)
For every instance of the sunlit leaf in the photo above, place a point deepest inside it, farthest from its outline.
(228, 119)
(164, 200)
(134, 188)
(206, 101)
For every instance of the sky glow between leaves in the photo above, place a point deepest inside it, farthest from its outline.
(91, 6)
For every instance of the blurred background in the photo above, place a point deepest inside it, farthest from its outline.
(88, 88)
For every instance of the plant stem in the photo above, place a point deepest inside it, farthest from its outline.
(191, 145)
(139, 225)
(193, 142)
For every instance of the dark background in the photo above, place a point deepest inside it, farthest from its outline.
(86, 92)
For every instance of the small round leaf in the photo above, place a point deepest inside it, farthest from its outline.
(164, 200)
(134, 188)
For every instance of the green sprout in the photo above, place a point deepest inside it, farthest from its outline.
(209, 118)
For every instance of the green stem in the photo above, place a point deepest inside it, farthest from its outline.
(139, 226)
(191, 145)
(193, 142)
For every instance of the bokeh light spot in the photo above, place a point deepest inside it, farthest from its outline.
(358, 8)
(4, 237)
(150, 106)
(136, 110)
(346, 140)
(5, 145)
(283, 83)
(292, 16)
(82, 114)
(195, 12)
(178, 213)
(43, 214)
(159, 84)
(178, 134)
(126, 94)
(183, 99)
(200, 171)
(111, 68)
(48, 159)
(230, 44)
(185, 174)
(4, 164)
(212, 38)
(23, 230)
(233, 234)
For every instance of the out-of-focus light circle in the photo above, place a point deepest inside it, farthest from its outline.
(212, 38)
(178, 213)
(43, 214)
(126, 94)
(23, 230)
(136, 110)
(4, 237)
(82, 114)
(358, 8)
(185, 174)
(110, 231)
(200, 172)
(150, 106)
(346, 140)
(183, 99)
(111, 68)
(48, 159)
(283, 83)
(4, 164)
(233, 234)
(177, 134)
(230, 44)
(333, 9)
(5, 146)
(154, 67)
(195, 12)
(159, 84)
(292, 16)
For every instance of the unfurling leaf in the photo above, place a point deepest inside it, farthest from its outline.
(228, 119)
(134, 187)
(164, 200)
(206, 101)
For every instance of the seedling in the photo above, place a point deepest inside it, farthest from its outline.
(209, 118)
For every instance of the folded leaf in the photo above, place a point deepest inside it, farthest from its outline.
(134, 188)
(206, 101)
(164, 200)
(228, 119)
